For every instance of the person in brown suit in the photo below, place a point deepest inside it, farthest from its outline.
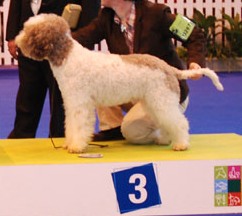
(140, 26)
(36, 77)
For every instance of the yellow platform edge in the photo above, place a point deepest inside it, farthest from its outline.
(41, 151)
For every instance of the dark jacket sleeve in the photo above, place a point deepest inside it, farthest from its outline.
(195, 44)
(14, 19)
(90, 10)
(20, 11)
(196, 47)
(94, 32)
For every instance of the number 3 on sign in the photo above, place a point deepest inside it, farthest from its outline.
(140, 188)
(136, 188)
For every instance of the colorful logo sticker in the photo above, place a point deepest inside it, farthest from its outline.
(228, 185)
(136, 188)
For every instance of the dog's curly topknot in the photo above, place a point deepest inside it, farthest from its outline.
(46, 36)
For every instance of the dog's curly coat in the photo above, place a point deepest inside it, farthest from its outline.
(88, 79)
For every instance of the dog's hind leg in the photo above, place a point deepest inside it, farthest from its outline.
(79, 128)
(167, 115)
(137, 127)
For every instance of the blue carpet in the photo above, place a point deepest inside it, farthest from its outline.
(210, 111)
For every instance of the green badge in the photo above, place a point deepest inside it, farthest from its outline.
(182, 27)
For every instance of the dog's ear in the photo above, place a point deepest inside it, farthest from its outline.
(41, 48)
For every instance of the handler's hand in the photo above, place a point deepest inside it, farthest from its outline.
(13, 49)
(194, 65)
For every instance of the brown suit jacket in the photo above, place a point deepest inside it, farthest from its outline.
(152, 36)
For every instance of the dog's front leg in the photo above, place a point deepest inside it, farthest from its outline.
(79, 127)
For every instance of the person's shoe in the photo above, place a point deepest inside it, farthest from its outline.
(108, 135)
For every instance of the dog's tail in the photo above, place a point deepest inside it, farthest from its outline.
(187, 74)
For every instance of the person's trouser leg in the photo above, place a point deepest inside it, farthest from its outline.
(137, 127)
(30, 99)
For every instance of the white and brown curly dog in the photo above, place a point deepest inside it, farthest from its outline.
(88, 79)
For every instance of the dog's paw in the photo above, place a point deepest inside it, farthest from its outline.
(76, 148)
(180, 146)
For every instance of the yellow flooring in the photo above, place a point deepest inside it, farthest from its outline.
(41, 151)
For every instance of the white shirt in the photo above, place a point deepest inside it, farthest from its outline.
(35, 6)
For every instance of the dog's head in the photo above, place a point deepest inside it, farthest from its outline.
(45, 36)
